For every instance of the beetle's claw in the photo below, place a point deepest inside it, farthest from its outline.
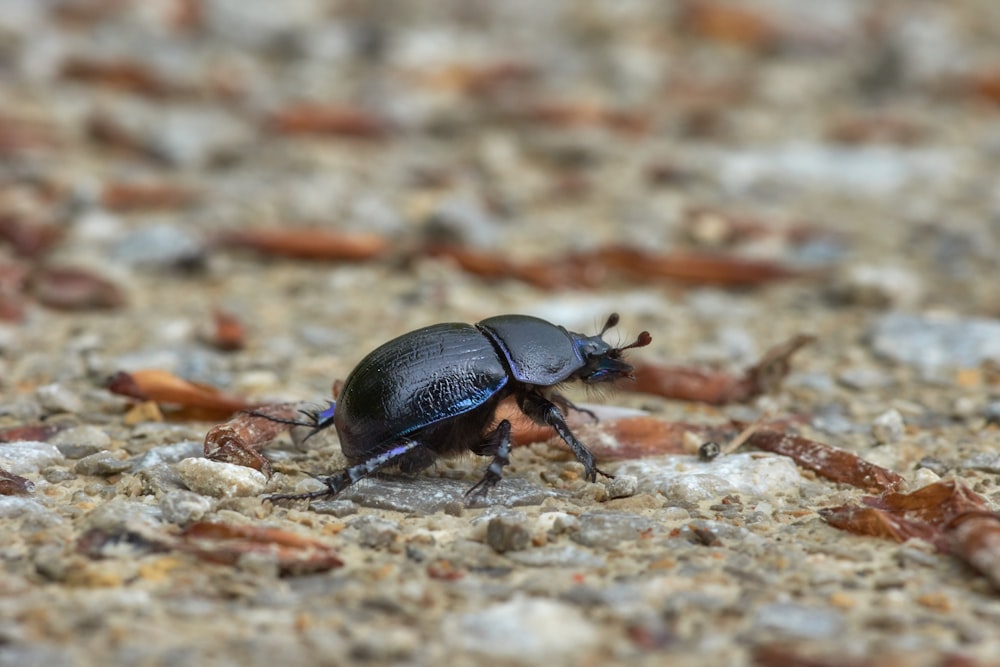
(481, 490)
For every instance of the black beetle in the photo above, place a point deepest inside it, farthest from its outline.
(434, 392)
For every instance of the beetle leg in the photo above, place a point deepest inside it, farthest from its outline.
(545, 411)
(568, 405)
(497, 444)
(339, 481)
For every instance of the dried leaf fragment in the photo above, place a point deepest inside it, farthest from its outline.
(228, 333)
(947, 514)
(689, 383)
(14, 485)
(239, 440)
(317, 119)
(28, 238)
(127, 75)
(34, 432)
(201, 401)
(838, 465)
(304, 243)
(227, 543)
(123, 196)
(68, 288)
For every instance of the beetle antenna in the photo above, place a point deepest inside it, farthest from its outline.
(642, 340)
(612, 322)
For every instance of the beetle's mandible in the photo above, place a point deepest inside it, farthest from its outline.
(434, 392)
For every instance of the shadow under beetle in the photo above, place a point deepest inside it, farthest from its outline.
(434, 392)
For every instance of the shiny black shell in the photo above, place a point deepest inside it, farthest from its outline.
(445, 372)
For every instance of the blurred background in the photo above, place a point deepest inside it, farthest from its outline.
(315, 173)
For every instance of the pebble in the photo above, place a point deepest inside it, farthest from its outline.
(523, 630)
(103, 464)
(160, 246)
(935, 343)
(58, 398)
(374, 532)
(337, 507)
(622, 486)
(508, 532)
(168, 454)
(867, 170)
(220, 480)
(609, 529)
(159, 479)
(864, 378)
(427, 495)
(879, 286)
(81, 441)
(32, 513)
(987, 462)
(181, 507)
(796, 621)
(557, 555)
(25, 457)
(685, 481)
(888, 427)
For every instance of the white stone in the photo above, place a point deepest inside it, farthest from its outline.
(888, 426)
(221, 480)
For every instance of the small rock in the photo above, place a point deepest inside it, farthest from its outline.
(181, 507)
(169, 454)
(922, 477)
(935, 465)
(508, 532)
(799, 621)
(608, 529)
(161, 247)
(103, 464)
(888, 427)
(864, 378)
(521, 629)
(936, 343)
(220, 480)
(81, 441)
(685, 481)
(56, 397)
(375, 533)
(32, 513)
(337, 507)
(992, 412)
(427, 495)
(159, 479)
(623, 486)
(27, 456)
(987, 462)
(558, 555)
(879, 286)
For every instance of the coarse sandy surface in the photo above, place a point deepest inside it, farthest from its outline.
(855, 144)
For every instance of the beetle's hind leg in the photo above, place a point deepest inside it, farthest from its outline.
(338, 482)
(496, 443)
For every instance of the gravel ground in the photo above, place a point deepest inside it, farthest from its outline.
(855, 144)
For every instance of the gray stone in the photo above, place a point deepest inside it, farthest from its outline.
(797, 621)
(32, 513)
(987, 462)
(427, 495)
(375, 533)
(888, 427)
(508, 532)
(608, 530)
(168, 454)
(879, 286)
(936, 343)
(526, 630)
(622, 486)
(81, 441)
(160, 246)
(103, 464)
(57, 397)
(159, 479)
(557, 555)
(25, 457)
(181, 507)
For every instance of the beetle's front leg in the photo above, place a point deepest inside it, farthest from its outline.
(545, 411)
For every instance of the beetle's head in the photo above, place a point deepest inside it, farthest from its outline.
(603, 362)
